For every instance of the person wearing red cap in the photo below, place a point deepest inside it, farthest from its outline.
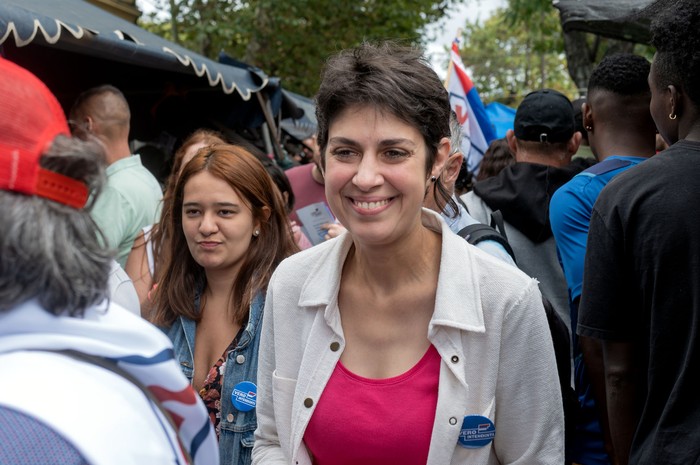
(114, 389)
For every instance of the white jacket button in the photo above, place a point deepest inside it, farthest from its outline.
(335, 346)
(453, 421)
(308, 402)
(455, 359)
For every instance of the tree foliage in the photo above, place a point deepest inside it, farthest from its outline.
(518, 49)
(291, 39)
(583, 51)
(510, 58)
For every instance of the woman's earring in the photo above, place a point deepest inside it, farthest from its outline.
(433, 179)
(589, 128)
(672, 116)
(256, 233)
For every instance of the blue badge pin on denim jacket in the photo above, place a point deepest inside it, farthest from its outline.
(237, 426)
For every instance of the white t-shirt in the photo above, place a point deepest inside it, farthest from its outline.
(122, 290)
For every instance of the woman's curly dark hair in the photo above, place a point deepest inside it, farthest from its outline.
(674, 29)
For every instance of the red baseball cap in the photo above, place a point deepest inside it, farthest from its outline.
(30, 119)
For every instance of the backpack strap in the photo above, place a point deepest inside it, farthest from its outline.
(497, 223)
(478, 232)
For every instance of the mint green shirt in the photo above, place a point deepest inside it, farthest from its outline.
(130, 200)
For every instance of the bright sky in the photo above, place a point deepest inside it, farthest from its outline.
(446, 29)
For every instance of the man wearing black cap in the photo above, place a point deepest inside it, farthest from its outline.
(543, 141)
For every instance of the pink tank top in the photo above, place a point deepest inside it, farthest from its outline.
(376, 421)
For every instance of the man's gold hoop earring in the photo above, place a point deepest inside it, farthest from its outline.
(672, 116)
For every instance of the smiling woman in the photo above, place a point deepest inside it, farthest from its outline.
(375, 168)
(398, 342)
(229, 230)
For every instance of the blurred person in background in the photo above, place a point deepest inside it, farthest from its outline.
(131, 199)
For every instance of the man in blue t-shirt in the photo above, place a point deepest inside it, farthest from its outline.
(621, 134)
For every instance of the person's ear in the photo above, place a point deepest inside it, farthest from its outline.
(675, 102)
(443, 152)
(587, 113)
(265, 212)
(573, 143)
(451, 171)
(512, 142)
(89, 124)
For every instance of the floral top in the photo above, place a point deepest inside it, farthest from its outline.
(211, 389)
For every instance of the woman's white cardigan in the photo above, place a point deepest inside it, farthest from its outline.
(489, 327)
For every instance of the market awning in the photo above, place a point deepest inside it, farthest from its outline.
(80, 27)
(305, 125)
(72, 45)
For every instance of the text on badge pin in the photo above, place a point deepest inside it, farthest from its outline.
(477, 431)
(244, 396)
(247, 398)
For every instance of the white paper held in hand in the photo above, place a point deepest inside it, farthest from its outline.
(312, 217)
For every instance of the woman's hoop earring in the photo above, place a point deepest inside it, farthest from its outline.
(672, 116)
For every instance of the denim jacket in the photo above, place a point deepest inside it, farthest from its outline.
(236, 438)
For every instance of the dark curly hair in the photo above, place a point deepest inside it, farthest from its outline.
(622, 74)
(674, 29)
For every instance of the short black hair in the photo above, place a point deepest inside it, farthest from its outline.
(622, 74)
(674, 30)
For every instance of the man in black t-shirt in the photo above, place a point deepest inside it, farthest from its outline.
(641, 287)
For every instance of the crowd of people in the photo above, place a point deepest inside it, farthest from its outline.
(370, 306)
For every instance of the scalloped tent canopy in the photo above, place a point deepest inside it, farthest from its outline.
(72, 45)
(74, 25)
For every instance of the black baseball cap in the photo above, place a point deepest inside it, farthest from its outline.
(544, 116)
